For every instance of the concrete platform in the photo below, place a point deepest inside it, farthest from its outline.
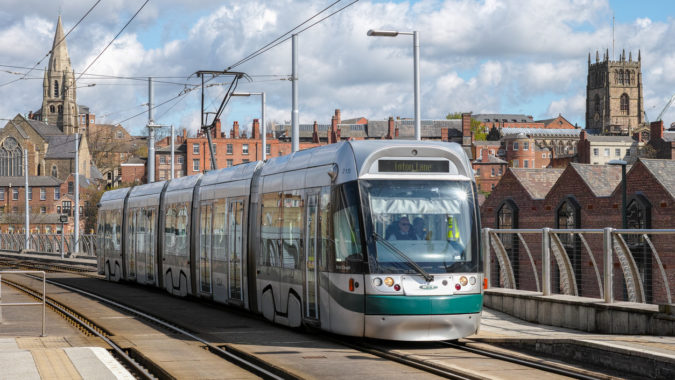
(639, 356)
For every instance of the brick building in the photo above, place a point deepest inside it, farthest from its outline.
(663, 142)
(599, 149)
(557, 123)
(587, 196)
(487, 167)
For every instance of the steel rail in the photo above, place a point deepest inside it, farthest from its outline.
(212, 347)
(88, 325)
(528, 363)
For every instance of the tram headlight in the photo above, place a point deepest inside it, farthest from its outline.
(472, 280)
(377, 281)
(389, 281)
(463, 280)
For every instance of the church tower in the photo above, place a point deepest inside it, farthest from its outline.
(614, 104)
(59, 105)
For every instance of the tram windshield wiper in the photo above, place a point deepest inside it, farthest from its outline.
(405, 257)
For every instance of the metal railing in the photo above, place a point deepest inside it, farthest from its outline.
(609, 264)
(44, 292)
(50, 244)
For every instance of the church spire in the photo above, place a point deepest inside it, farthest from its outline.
(59, 105)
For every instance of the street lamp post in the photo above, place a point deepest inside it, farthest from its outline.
(263, 135)
(416, 54)
(624, 220)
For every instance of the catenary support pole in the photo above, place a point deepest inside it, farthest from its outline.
(416, 52)
(151, 135)
(295, 126)
(173, 144)
(264, 128)
(25, 170)
(76, 214)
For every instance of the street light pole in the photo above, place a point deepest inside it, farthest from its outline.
(416, 59)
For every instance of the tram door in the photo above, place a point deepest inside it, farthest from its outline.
(150, 228)
(311, 258)
(234, 268)
(131, 243)
(205, 249)
(140, 246)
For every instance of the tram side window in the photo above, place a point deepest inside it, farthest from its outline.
(219, 231)
(116, 230)
(108, 232)
(326, 243)
(346, 230)
(169, 230)
(182, 225)
(270, 230)
(101, 228)
(292, 230)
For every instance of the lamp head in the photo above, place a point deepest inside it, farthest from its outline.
(382, 33)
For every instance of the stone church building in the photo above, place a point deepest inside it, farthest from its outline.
(614, 96)
(48, 134)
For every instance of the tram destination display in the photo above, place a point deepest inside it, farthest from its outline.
(414, 166)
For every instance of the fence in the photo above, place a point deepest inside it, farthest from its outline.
(50, 244)
(633, 265)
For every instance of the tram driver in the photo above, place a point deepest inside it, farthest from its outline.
(401, 230)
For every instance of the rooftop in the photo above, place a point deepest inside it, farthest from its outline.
(537, 182)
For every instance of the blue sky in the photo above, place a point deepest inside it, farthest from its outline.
(506, 56)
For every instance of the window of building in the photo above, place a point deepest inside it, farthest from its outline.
(71, 187)
(162, 159)
(628, 152)
(568, 216)
(195, 165)
(507, 218)
(81, 210)
(52, 109)
(606, 152)
(501, 171)
(268, 149)
(60, 108)
(66, 207)
(43, 210)
(543, 155)
(596, 151)
(526, 163)
(492, 173)
(15, 194)
(229, 148)
(56, 88)
(54, 171)
(11, 158)
(526, 145)
(180, 159)
(515, 163)
(58, 209)
(515, 145)
(617, 152)
(230, 163)
(119, 134)
(2, 194)
(43, 194)
(638, 216)
(624, 104)
(244, 149)
(213, 147)
(195, 148)
(57, 193)
(15, 210)
(478, 172)
(30, 193)
(549, 155)
(162, 175)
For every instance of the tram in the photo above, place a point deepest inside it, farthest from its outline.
(370, 238)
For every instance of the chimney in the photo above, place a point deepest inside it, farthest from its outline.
(216, 130)
(334, 121)
(467, 137)
(390, 129)
(337, 115)
(235, 130)
(656, 130)
(329, 137)
(396, 132)
(444, 134)
(315, 133)
(255, 134)
(582, 135)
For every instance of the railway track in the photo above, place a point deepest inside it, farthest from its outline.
(385, 351)
(141, 366)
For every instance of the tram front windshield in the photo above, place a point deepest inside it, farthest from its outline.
(427, 222)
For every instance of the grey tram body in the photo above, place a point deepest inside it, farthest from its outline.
(204, 236)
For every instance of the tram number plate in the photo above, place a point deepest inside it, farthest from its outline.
(414, 166)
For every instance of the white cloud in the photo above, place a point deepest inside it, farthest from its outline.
(482, 56)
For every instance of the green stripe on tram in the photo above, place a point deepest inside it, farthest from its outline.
(427, 305)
